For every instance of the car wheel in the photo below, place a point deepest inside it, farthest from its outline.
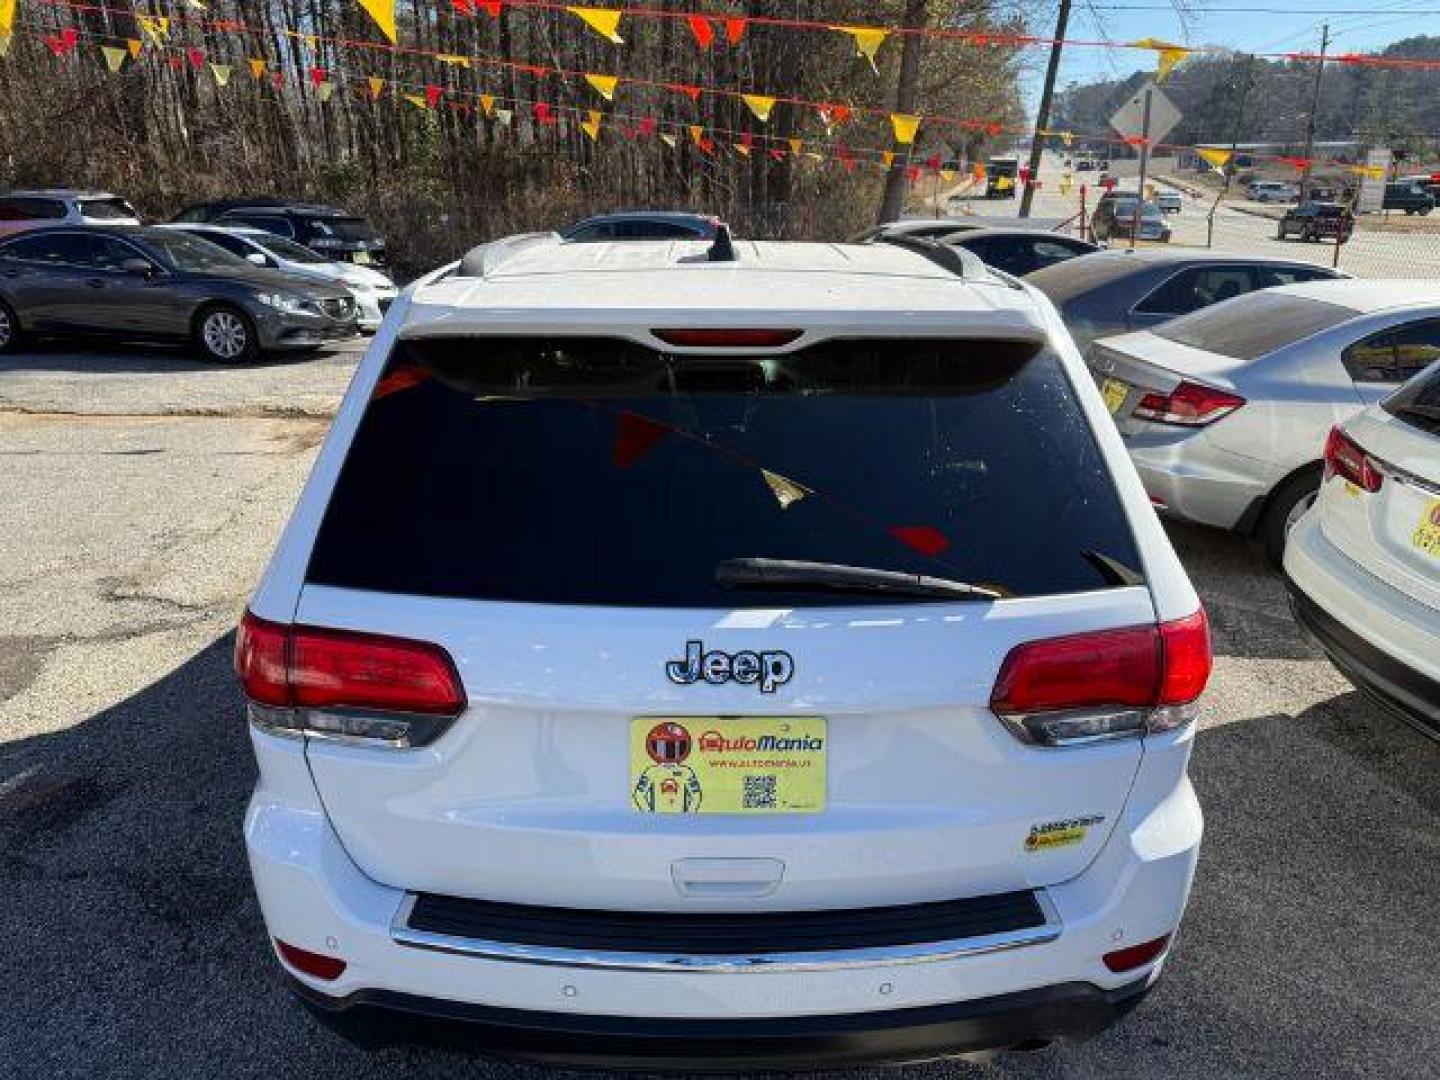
(1287, 503)
(9, 329)
(226, 335)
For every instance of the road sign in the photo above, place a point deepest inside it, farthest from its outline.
(1372, 188)
(1129, 119)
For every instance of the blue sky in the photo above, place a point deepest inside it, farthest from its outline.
(1291, 26)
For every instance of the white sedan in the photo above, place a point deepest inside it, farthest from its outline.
(373, 291)
(1363, 566)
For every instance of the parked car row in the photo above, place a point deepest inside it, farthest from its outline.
(79, 262)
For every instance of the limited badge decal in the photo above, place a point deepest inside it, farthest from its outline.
(1063, 833)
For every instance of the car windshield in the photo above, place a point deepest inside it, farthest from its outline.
(1252, 325)
(107, 210)
(287, 249)
(597, 471)
(184, 252)
(343, 228)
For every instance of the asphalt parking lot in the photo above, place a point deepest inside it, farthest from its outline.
(140, 497)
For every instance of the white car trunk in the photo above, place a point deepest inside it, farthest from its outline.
(528, 796)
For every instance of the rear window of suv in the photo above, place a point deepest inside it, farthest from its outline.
(600, 471)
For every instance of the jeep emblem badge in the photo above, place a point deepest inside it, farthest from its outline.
(769, 669)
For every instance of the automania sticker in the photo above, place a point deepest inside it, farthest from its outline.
(1065, 832)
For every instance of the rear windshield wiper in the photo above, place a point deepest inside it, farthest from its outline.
(801, 575)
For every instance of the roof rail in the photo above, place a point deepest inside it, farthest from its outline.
(484, 259)
(958, 261)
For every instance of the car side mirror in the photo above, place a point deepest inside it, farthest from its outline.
(257, 259)
(139, 267)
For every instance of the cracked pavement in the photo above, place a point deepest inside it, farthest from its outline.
(139, 500)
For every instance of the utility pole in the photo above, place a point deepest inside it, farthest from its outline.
(1314, 110)
(1042, 115)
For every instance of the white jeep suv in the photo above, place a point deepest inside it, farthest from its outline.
(746, 654)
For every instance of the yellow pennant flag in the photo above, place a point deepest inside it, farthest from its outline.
(1374, 172)
(417, 100)
(221, 73)
(786, 491)
(760, 105)
(257, 68)
(1003, 183)
(453, 60)
(114, 56)
(947, 175)
(1215, 158)
(487, 103)
(324, 90)
(604, 21)
(604, 85)
(888, 157)
(156, 27)
(383, 12)
(796, 145)
(697, 134)
(1169, 55)
(868, 40)
(668, 140)
(591, 125)
(7, 20)
(742, 149)
(134, 45)
(376, 85)
(905, 127)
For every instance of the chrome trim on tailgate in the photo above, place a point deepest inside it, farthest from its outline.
(840, 959)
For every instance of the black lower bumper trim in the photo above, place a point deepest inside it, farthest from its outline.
(1071, 1011)
(1414, 696)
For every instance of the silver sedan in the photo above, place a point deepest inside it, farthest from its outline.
(1225, 411)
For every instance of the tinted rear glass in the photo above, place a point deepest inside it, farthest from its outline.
(1069, 279)
(111, 209)
(1417, 403)
(1252, 325)
(595, 471)
(342, 228)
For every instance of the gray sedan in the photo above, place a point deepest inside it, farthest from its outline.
(146, 284)
(1114, 291)
(1225, 412)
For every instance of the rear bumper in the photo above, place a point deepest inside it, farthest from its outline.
(313, 896)
(1189, 478)
(1369, 630)
(1071, 1011)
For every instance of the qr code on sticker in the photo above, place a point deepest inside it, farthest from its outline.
(759, 793)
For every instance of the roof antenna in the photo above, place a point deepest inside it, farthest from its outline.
(722, 249)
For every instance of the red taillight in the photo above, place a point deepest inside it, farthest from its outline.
(313, 964)
(753, 338)
(313, 667)
(1134, 956)
(1138, 666)
(1347, 459)
(1188, 405)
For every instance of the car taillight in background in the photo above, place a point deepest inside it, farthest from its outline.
(1106, 684)
(1188, 405)
(306, 680)
(1347, 459)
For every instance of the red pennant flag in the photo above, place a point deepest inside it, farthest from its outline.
(692, 92)
(635, 436)
(647, 126)
(925, 539)
(544, 113)
(912, 173)
(701, 28)
(777, 153)
(994, 129)
(197, 58)
(734, 30)
(63, 42)
(492, 7)
(933, 163)
(463, 7)
(432, 95)
(317, 76)
(747, 140)
(834, 114)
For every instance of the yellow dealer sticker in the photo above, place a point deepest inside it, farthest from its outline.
(727, 765)
(1114, 392)
(1426, 536)
(1063, 833)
